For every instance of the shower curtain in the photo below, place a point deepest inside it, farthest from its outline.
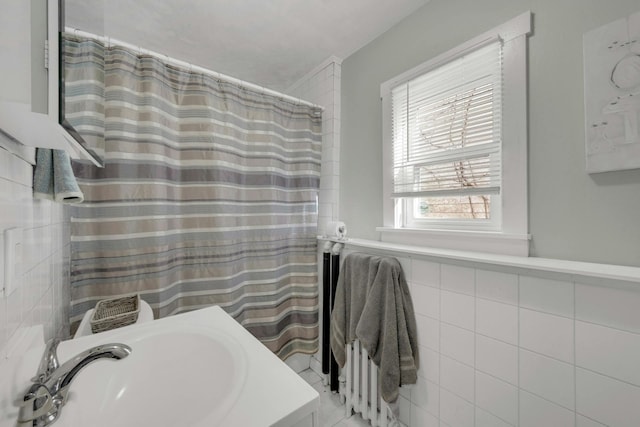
(208, 196)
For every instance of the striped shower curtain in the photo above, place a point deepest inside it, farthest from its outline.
(208, 197)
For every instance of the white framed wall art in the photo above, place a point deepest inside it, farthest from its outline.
(612, 95)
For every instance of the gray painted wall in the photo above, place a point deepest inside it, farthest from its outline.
(572, 215)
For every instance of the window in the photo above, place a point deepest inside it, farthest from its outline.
(446, 140)
(455, 145)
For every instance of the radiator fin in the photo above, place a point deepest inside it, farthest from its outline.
(359, 389)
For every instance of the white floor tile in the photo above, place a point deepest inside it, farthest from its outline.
(353, 421)
(331, 410)
(310, 376)
(333, 413)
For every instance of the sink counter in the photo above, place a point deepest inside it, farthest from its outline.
(200, 368)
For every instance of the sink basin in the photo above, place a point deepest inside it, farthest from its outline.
(177, 375)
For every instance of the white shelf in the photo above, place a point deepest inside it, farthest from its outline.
(574, 268)
(38, 130)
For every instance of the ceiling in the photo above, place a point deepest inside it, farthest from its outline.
(272, 43)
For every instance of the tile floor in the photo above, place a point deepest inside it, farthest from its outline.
(332, 413)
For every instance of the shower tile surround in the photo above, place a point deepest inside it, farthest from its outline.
(511, 346)
(322, 87)
(42, 297)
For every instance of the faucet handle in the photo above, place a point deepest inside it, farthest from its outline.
(39, 407)
(48, 363)
(36, 403)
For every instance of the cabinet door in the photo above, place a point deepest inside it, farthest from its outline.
(15, 51)
(23, 34)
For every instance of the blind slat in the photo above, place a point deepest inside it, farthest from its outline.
(449, 193)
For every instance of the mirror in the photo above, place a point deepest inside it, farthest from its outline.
(81, 104)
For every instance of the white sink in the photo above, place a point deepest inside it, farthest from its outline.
(196, 369)
(177, 375)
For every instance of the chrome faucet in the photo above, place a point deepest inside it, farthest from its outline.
(43, 400)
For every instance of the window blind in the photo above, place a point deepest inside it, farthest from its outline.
(446, 128)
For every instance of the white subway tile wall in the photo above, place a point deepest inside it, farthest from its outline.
(498, 397)
(497, 358)
(613, 307)
(537, 412)
(608, 351)
(547, 334)
(457, 343)
(322, 87)
(607, 400)
(486, 419)
(582, 421)
(42, 294)
(497, 320)
(548, 378)
(504, 348)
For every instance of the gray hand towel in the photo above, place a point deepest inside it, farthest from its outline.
(373, 304)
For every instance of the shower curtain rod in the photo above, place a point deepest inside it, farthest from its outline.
(247, 85)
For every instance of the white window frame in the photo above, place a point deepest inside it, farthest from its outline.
(508, 234)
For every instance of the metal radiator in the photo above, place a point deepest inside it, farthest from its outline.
(359, 389)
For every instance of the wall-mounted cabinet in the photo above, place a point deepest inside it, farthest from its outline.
(29, 87)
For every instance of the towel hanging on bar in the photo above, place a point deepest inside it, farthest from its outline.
(53, 177)
(373, 305)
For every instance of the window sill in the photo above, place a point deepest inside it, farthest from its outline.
(474, 241)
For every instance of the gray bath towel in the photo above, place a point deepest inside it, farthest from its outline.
(53, 178)
(373, 304)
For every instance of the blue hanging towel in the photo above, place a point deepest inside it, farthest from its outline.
(53, 177)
